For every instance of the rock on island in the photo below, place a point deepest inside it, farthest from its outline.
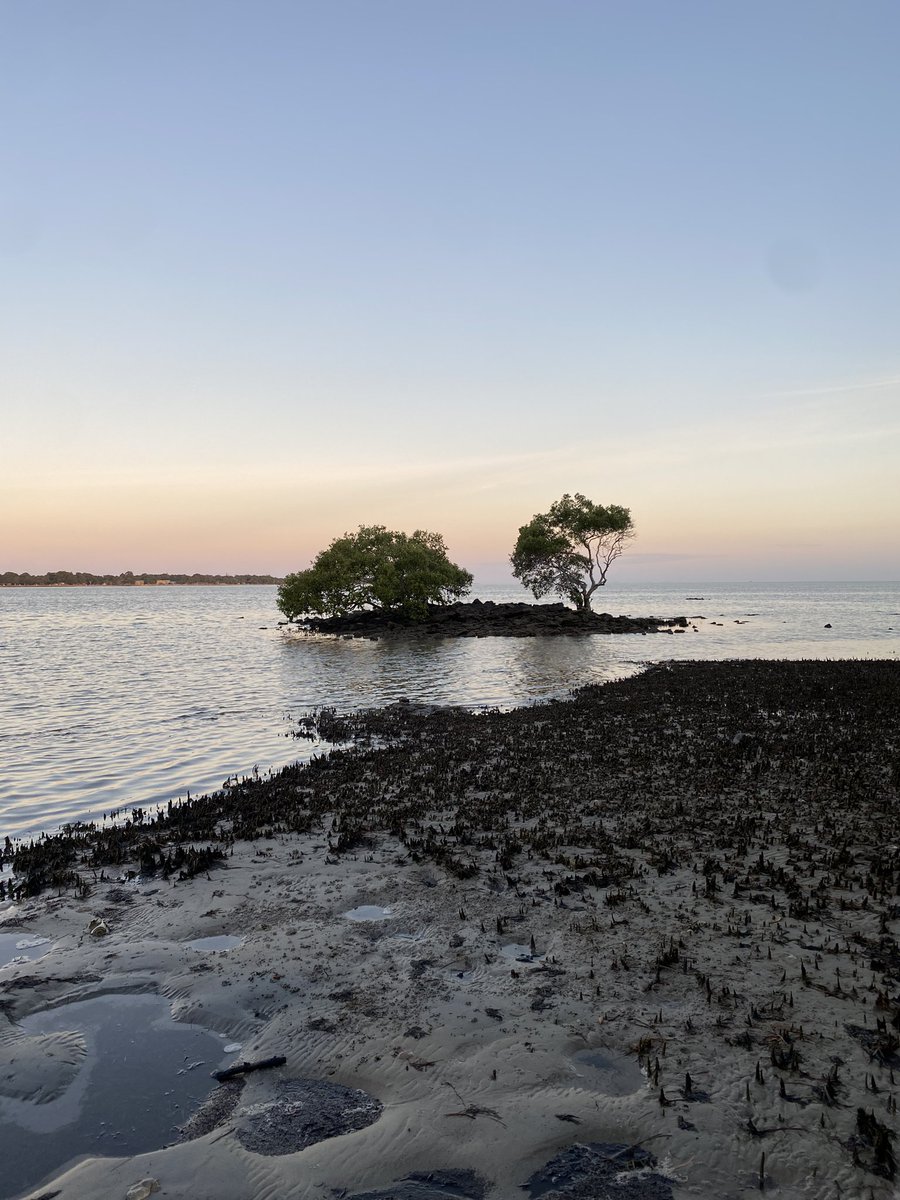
(486, 618)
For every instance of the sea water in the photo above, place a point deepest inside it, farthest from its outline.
(123, 697)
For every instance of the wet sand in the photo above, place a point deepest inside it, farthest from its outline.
(642, 943)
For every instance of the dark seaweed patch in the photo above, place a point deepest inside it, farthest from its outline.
(599, 1171)
(303, 1112)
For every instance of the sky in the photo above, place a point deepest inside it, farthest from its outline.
(271, 270)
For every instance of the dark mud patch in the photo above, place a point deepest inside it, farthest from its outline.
(600, 1171)
(214, 1111)
(303, 1112)
(428, 1185)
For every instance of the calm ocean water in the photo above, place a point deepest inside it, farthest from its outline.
(132, 696)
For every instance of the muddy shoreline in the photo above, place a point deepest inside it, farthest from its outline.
(644, 942)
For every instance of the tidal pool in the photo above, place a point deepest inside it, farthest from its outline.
(142, 1077)
(21, 947)
(608, 1072)
(369, 912)
(217, 944)
(520, 952)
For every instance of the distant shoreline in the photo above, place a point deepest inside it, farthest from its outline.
(144, 580)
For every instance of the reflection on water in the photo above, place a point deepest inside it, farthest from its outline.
(483, 672)
(18, 947)
(133, 696)
(218, 944)
(369, 912)
(609, 1072)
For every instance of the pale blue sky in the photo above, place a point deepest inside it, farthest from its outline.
(269, 270)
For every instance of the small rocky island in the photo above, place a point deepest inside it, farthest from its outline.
(486, 618)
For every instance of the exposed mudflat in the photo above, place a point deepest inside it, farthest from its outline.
(697, 870)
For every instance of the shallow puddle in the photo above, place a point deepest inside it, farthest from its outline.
(142, 1077)
(21, 947)
(607, 1072)
(520, 952)
(369, 912)
(215, 945)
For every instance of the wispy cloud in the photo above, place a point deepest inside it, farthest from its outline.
(831, 389)
(687, 556)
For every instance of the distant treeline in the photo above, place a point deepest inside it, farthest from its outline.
(126, 579)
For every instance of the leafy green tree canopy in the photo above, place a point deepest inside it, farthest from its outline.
(569, 549)
(375, 568)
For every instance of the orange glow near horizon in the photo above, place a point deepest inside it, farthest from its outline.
(810, 486)
(708, 526)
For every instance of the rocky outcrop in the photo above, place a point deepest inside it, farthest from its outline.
(485, 618)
